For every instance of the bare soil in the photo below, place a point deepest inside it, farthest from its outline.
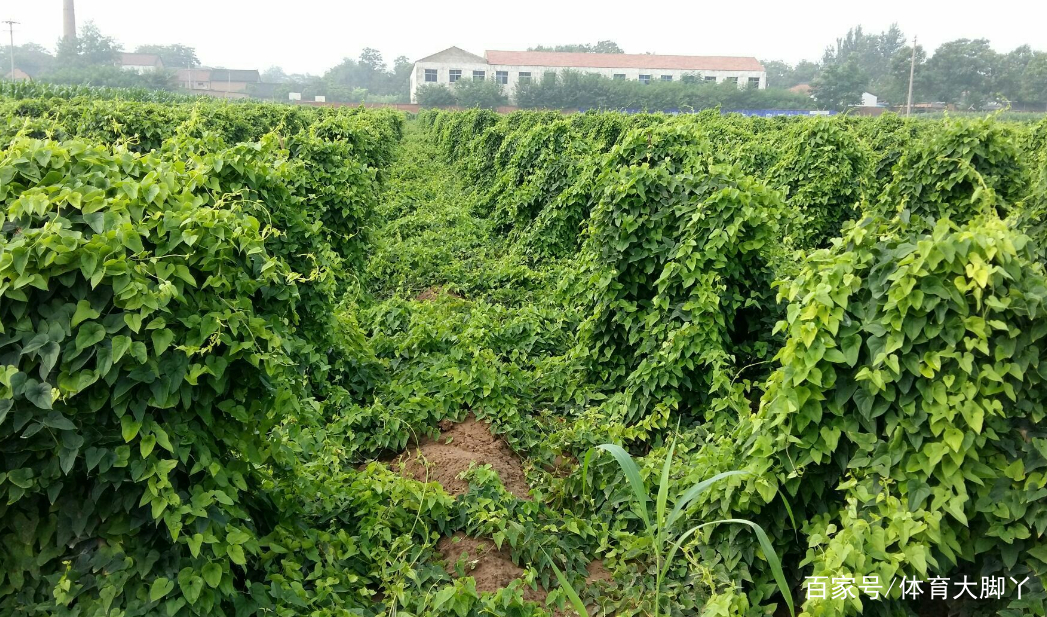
(435, 292)
(459, 446)
(493, 569)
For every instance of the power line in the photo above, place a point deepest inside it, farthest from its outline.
(11, 29)
(912, 73)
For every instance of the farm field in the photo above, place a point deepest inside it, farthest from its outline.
(272, 360)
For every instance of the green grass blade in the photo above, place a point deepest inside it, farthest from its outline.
(663, 492)
(693, 492)
(769, 553)
(676, 546)
(632, 474)
(572, 595)
(585, 467)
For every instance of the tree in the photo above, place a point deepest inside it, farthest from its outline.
(782, 75)
(96, 49)
(895, 88)
(961, 72)
(871, 52)
(486, 94)
(1034, 83)
(371, 60)
(839, 85)
(601, 47)
(110, 76)
(779, 74)
(31, 58)
(1009, 73)
(435, 95)
(174, 56)
(274, 75)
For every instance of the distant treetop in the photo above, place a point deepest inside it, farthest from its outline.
(602, 47)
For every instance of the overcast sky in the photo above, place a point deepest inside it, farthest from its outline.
(312, 35)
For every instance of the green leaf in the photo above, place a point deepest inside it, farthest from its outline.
(121, 344)
(66, 458)
(39, 394)
(160, 588)
(692, 493)
(129, 427)
(162, 340)
(56, 420)
(146, 445)
(632, 474)
(194, 544)
(83, 313)
(572, 595)
(48, 358)
(212, 573)
(5, 406)
(89, 334)
(192, 588)
(236, 554)
(442, 597)
(663, 491)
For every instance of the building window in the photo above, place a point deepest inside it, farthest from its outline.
(430, 76)
(479, 75)
(710, 79)
(454, 75)
(754, 82)
(619, 76)
(501, 77)
(732, 80)
(667, 77)
(645, 79)
(525, 77)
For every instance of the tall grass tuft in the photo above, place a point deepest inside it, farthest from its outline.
(664, 540)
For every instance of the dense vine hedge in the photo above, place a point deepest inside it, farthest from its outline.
(168, 330)
(896, 431)
(217, 321)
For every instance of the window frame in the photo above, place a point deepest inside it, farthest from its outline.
(754, 86)
(710, 79)
(454, 75)
(523, 77)
(479, 75)
(619, 76)
(435, 74)
(501, 77)
(666, 78)
(644, 79)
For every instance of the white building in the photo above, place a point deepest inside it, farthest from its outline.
(510, 68)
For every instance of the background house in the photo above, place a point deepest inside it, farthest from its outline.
(139, 63)
(17, 75)
(223, 83)
(511, 68)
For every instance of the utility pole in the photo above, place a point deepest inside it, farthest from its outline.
(11, 29)
(912, 74)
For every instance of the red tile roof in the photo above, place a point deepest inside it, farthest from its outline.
(623, 61)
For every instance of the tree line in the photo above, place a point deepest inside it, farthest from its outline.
(92, 59)
(967, 73)
(964, 72)
(577, 90)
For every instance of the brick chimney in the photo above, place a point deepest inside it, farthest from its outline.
(69, 21)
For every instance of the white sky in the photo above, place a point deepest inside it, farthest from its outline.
(313, 35)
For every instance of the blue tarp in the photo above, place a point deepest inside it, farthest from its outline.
(763, 113)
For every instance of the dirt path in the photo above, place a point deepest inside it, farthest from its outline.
(458, 447)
